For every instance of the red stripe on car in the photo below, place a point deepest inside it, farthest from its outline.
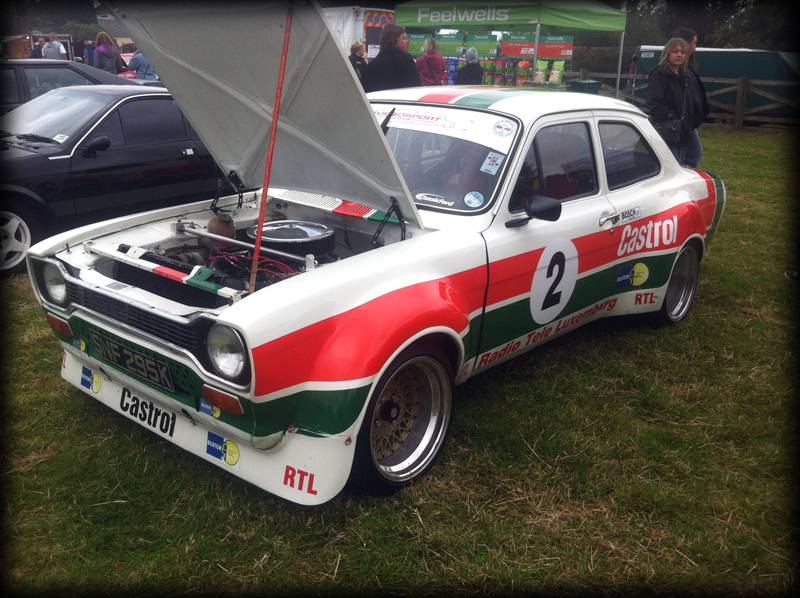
(333, 349)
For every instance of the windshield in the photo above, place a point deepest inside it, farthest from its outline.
(56, 115)
(451, 159)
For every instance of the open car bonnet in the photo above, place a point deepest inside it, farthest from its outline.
(221, 62)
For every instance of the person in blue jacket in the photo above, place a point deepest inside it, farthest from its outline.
(141, 65)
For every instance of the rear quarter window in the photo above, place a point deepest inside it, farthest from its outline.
(627, 156)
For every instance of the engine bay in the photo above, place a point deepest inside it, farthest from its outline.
(207, 258)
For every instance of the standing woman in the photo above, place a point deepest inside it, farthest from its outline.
(430, 65)
(668, 104)
(697, 93)
(393, 67)
(357, 60)
(106, 55)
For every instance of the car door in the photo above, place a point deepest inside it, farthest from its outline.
(643, 228)
(152, 161)
(543, 275)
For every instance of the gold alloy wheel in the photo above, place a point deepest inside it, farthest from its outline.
(409, 421)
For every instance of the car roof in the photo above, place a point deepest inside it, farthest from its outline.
(120, 91)
(527, 104)
(87, 69)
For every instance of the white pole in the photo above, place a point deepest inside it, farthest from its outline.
(619, 60)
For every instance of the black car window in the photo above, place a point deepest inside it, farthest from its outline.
(111, 127)
(9, 93)
(42, 80)
(559, 164)
(151, 120)
(628, 157)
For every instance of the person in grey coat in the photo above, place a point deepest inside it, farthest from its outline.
(106, 55)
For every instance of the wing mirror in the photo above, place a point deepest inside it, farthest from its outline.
(98, 144)
(540, 208)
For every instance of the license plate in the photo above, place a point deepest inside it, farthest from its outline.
(132, 361)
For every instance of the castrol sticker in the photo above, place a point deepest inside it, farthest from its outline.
(652, 235)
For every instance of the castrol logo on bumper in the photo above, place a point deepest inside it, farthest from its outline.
(652, 235)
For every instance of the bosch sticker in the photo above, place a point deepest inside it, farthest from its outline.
(630, 214)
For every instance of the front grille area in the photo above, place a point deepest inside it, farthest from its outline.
(189, 336)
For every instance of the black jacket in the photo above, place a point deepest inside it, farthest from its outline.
(699, 97)
(665, 98)
(359, 64)
(470, 74)
(390, 69)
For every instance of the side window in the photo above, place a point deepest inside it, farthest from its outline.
(111, 128)
(559, 164)
(627, 156)
(42, 80)
(151, 120)
(9, 94)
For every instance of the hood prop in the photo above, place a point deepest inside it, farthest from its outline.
(262, 208)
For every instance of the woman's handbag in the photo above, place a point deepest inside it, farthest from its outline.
(670, 130)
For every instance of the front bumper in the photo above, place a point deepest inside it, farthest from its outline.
(302, 469)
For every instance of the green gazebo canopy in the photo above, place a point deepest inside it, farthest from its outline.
(511, 15)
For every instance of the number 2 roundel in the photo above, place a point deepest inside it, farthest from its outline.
(553, 280)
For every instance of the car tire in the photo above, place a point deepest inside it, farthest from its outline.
(406, 421)
(682, 287)
(19, 230)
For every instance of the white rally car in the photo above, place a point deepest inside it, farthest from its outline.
(413, 239)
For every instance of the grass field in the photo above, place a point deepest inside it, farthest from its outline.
(620, 458)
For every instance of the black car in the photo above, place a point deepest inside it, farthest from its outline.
(21, 80)
(87, 153)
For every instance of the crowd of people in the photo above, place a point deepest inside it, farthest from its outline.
(676, 102)
(102, 53)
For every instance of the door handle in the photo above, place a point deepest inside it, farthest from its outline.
(614, 218)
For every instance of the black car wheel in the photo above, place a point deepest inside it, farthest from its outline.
(19, 229)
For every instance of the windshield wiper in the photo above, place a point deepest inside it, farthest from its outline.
(35, 137)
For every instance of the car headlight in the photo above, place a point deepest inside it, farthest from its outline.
(54, 284)
(226, 351)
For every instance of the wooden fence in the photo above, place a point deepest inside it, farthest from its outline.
(737, 114)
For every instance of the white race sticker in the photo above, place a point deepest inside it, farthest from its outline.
(433, 198)
(630, 214)
(492, 163)
(503, 128)
(474, 199)
(554, 280)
